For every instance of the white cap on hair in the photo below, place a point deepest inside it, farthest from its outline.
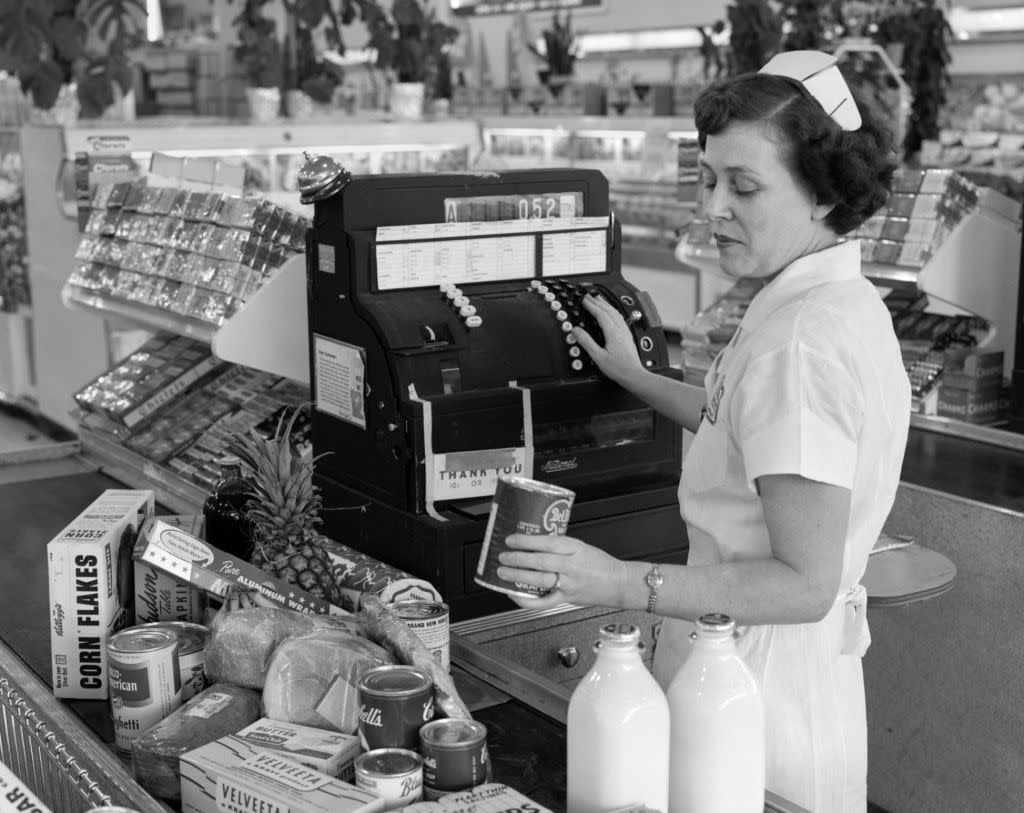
(819, 73)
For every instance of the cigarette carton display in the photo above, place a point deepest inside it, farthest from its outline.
(184, 556)
(233, 775)
(329, 752)
(91, 594)
(162, 597)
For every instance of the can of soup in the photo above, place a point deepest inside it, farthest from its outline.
(192, 642)
(520, 506)
(394, 702)
(429, 620)
(393, 774)
(145, 681)
(454, 756)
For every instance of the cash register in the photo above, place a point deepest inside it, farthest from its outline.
(441, 310)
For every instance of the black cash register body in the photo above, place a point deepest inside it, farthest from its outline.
(440, 385)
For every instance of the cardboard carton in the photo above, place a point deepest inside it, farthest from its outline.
(329, 752)
(233, 775)
(91, 591)
(162, 597)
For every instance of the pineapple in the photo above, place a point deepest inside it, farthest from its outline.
(285, 511)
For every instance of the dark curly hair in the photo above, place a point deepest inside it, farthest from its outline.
(851, 170)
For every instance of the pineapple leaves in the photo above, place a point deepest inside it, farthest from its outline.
(121, 21)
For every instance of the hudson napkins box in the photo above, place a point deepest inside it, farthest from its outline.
(233, 775)
(329, 752)
(91, 594)
(162, 597)
(188, 558)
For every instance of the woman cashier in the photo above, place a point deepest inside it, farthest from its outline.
(800, 428)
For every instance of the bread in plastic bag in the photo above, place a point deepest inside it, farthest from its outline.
(383, 625)
(313, 679)
(215, 712)
(244, 640)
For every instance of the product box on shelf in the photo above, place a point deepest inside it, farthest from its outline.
(329, 752)
(90, 577)
(184, 556)
(972, 406)
(234, 775)
(162, 597)
(973, 370)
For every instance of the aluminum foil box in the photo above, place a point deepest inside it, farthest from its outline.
(90, 585)
(233, 775)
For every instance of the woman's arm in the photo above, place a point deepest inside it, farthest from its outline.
(807, 523)
(618, 359)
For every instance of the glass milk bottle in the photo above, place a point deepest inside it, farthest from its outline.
(717, 755)
(617, 730)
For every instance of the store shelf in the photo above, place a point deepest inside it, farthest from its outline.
(144, 315)
(994, 435)
(172, 492)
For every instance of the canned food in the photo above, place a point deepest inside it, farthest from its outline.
(394, 701)
(192, 642)
(454, 756)
(393, 774)
(145, 681)
(429, 620)
(520, 506)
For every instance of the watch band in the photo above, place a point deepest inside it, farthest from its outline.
(654, 581)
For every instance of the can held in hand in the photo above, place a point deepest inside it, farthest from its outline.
(192, 642)
(520, 506)
(394, 702)
(393, 774)
(429, 620)
(145, 681)
(454, 756)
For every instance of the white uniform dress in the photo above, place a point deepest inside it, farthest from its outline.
(812, 384)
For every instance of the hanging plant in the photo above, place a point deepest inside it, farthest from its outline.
(756, 34)
(122, 22)
(24, 32)
(925, 68)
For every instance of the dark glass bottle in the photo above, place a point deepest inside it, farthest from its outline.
(224, 511)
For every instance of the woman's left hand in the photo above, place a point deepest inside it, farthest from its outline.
(584, 575)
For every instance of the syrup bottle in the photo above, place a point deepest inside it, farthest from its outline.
(717, 756)
(617, 731)
(224, 511)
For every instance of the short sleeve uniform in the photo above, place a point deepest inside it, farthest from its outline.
(812, 384)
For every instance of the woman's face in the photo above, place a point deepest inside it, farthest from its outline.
(761, 217)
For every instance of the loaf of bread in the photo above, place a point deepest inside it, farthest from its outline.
(215, 712)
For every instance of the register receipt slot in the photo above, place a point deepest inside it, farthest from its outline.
(459, 334)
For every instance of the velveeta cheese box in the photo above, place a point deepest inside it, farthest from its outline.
(234, 776)
(162, 597)
(329, 752)
(90, 584)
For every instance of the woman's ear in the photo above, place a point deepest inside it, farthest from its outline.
(821, 210)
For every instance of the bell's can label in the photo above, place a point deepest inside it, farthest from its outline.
(520, 506)
(145, 681)
(392, 774)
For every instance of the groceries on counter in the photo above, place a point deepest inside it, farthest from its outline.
(360, 575)
(329, 752)
(197, 254)
(91, 589)
(233, 773)
(216, 712)
(617, 731)
(314, 679)
(492, 797)
(245, 640)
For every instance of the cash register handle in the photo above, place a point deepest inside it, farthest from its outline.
(678, 401)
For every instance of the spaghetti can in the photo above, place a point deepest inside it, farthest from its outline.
(429, 620)
(394, 701)
(454, 756)
(520, 506)
(192, 642)
(393, 774)
(145, 681)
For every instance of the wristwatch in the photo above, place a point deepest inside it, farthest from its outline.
(654, 581)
